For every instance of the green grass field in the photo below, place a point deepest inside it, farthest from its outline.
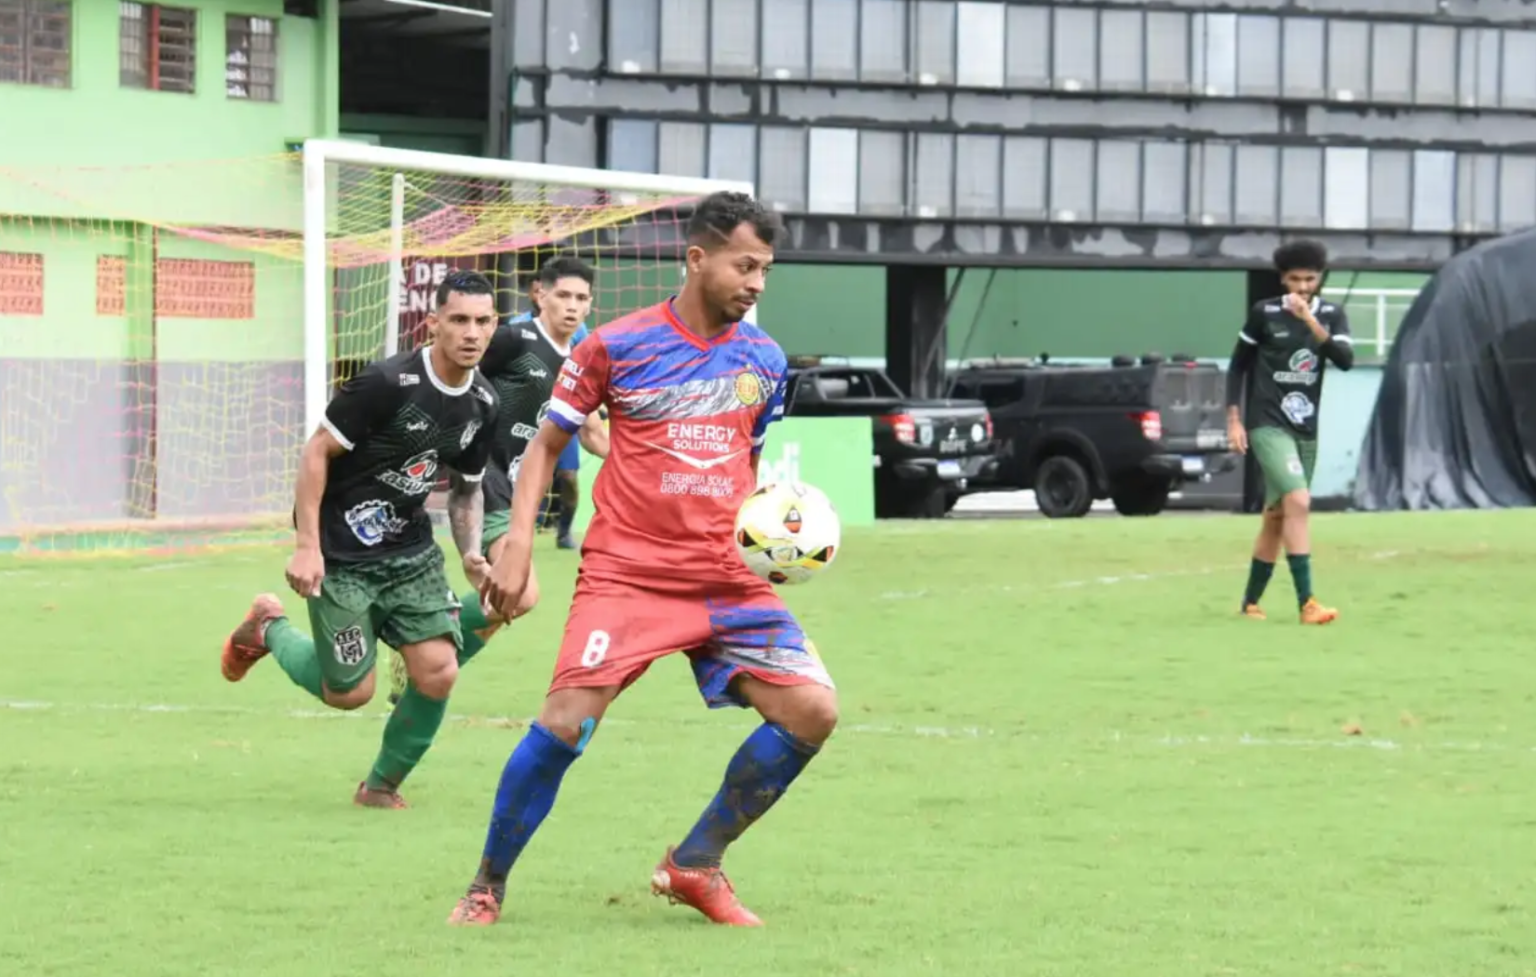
(1062, 753)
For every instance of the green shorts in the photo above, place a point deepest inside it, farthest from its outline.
(1285, 460)
(496, 523)
(399, 600)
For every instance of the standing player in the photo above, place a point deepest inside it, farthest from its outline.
(1282, 352)
(364, 559)
(691, 391)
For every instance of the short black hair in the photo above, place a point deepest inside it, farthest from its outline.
(716, 217)
(1301, 256)
(464, 281)
(566, 266)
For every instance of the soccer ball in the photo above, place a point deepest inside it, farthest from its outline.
(788, 532)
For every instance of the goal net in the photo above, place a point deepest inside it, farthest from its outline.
(172, 333)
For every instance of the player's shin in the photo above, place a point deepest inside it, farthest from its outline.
(477, 627)
(762, 769)
(294, 652)
(407, 736)
(524, 797)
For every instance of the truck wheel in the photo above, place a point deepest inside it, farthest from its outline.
(1063, 489)
(1141, 496)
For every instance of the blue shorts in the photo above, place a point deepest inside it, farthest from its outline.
(570, 458)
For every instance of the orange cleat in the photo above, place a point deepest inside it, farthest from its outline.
(479, 907)
(1255, 612)
(705, 889)
(246, 645)
(380, 797)
(1314, 613)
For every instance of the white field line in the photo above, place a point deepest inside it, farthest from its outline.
(1171, 741)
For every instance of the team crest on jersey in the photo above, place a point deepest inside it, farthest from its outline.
(749, 389)
(1302, 369)
(374, 521)
(1297, 407)
(470, 430)
(416, 476)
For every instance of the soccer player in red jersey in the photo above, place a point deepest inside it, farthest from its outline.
(691, 390)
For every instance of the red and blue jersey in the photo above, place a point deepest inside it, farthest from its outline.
(687, 417)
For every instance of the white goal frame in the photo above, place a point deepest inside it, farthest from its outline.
(317, 285)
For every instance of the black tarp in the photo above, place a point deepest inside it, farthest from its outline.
(1455, 420)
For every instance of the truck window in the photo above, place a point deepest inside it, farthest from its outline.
(992, 392)
(852, 384)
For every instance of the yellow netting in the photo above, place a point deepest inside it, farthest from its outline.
(151, 324)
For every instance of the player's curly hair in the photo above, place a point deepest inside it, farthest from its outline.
(718, 215)
(464, 281)
(1305, 255)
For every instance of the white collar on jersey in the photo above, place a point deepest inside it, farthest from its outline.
(563, 350)
(438, 382)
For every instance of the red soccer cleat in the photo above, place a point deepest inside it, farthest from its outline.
(478, 908)
(380, 797)
(246, 645)
(705, 889)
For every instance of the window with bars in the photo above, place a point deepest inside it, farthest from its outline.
(250, 58)
(34, 42)
(157, 47)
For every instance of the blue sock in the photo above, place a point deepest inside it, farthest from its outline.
(524, 797)
(767, 763)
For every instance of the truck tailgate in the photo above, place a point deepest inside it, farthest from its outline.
(1192, 403)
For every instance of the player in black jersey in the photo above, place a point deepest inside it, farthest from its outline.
(1282, 352)
(365, 560)
(523, 363)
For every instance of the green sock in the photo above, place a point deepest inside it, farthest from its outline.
(407, 736)
(294, 652)
(1259, 573)
(471, 619)
(1301, 572)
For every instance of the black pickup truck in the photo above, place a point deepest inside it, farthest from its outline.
(927, 452)
(1131, 431)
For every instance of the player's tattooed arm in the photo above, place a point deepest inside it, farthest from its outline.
(466, 515)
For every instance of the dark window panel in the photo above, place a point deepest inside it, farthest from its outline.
(1257, 177)
(680, 149)
(834, 171)
(1164, 182)
(1027, 51)
(1258, 56)
(978, 176)
(634, 35)
(781, 167)
(787, 39)
(883, 40)
(834, 39)
(933, 184)
(1118, 181)
(733, 37)
(882, 173)
(1347, 188)
(1305, 42)
(1301, 186)
(1349, 60)
(1074, 49)
(1071, 180)
(1122, 44)
(1434, 190)
(1167, 52)
(1391, 189)
(1025, 162)
(1392, 62)
(1434, 59)
(933, 42)
(684, 45)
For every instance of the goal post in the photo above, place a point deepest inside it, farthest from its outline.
(170, 334)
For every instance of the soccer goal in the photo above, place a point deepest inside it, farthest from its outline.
(172, 333)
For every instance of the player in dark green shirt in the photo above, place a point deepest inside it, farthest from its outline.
(364, 559)
(1282, 353)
